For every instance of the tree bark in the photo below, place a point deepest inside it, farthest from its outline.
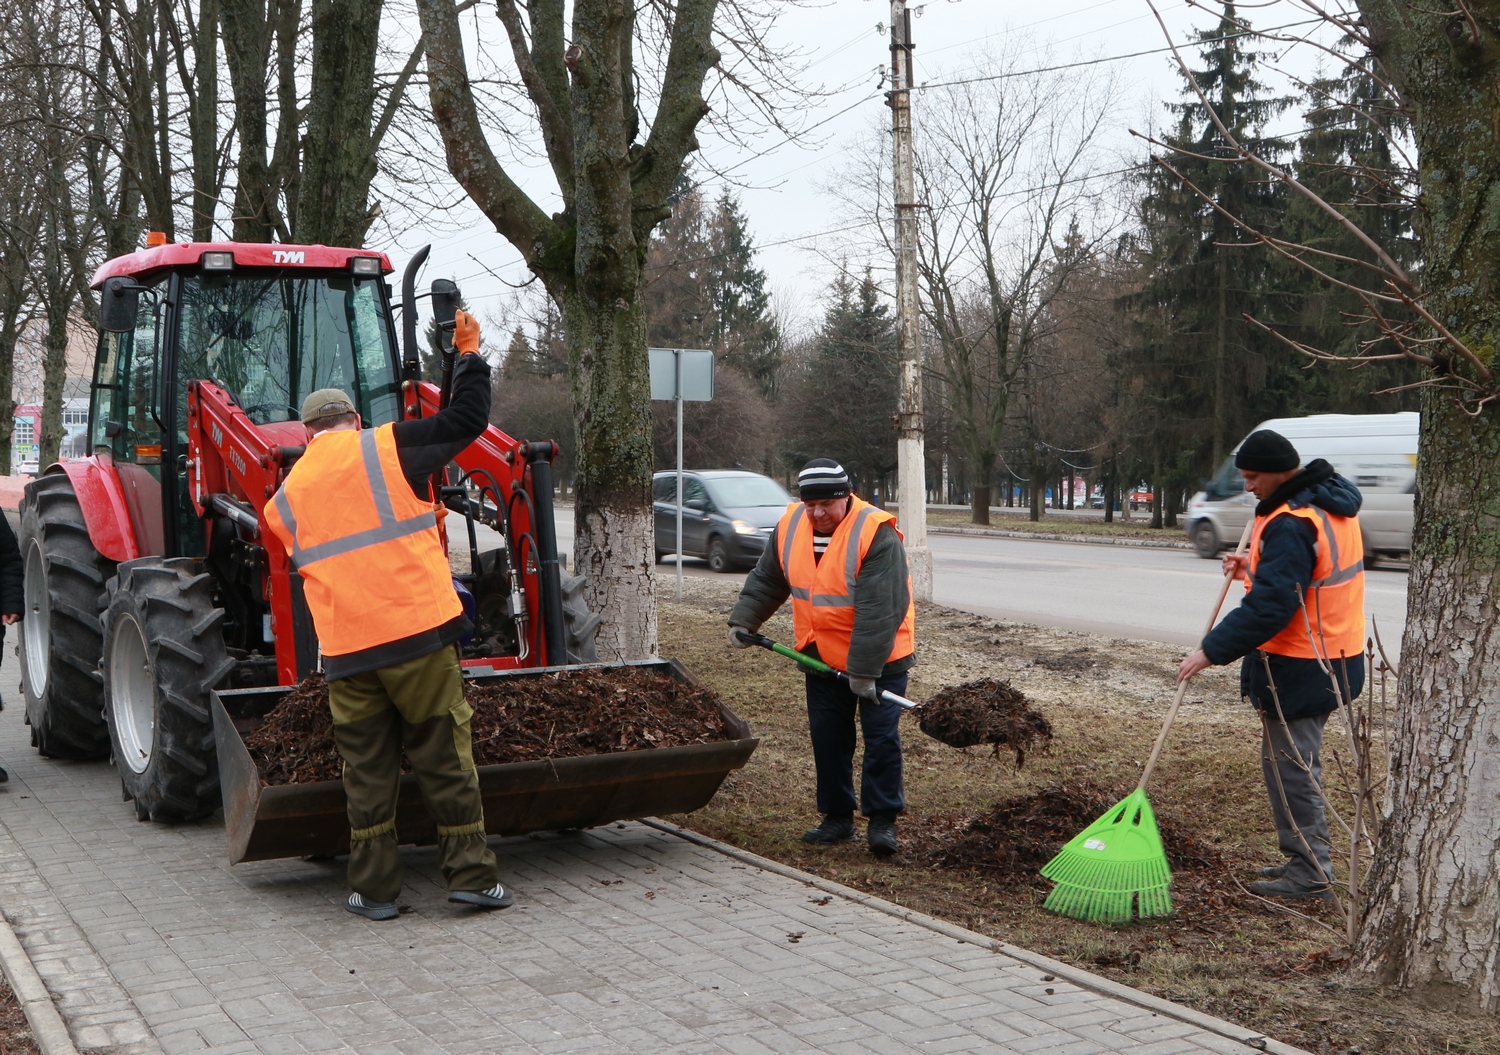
(589, 255)
(338, 160)
(247, 44)
(979, 505)
(1433, 923)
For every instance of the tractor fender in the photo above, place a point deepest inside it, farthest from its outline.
(101, 497)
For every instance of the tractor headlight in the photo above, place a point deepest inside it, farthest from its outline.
(217, 260)
(365, 265)
(746, 529)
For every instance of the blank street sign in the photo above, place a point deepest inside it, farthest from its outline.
(697, 374)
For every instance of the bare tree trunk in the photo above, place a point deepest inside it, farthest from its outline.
(1435, 882)
(246, 53)
(7, 382)
(57, 299)
(979, 505)
(339, 156)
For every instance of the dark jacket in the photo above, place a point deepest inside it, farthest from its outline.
(12, 599)
(1288, 555)
(425, 445)
(881, 598)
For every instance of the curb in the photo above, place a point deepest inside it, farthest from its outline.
(47, 1027)
(1091, 540)
(1079, 977)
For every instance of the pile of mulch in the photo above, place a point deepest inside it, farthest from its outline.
(522, 719)
(988, 711)
(1016, 837)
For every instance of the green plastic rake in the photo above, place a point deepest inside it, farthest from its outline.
(1116, 869)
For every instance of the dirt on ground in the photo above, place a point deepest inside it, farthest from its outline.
(523, 719)
(977, 829)
(1015, 838)
(15, 1031)
(984, 712)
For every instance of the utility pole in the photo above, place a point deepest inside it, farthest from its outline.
(911, 471)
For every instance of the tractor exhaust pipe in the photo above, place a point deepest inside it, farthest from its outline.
(412, 358)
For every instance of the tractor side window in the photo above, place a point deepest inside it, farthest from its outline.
(122, 422)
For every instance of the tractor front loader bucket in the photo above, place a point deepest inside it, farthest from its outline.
(296, 820)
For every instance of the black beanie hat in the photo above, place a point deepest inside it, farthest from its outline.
(822, 478)
(1267, 452)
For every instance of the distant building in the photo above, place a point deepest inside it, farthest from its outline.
(26, 390)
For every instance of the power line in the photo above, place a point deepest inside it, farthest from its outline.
(1113, 58)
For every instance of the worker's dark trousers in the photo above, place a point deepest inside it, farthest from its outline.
(418, 706)
(830, 720)
(1293, 753)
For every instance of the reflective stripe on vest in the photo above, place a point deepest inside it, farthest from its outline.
(823, 590)
(389, 528)
(367, 584)
(1334, 622)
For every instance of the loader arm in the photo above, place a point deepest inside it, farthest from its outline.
(234, 467)
(507, 485)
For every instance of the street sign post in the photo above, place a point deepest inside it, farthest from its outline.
(681, 375)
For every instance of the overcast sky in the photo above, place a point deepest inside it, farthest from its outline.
(784, 185)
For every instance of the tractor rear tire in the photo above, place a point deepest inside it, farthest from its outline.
(579, 624)
(163, 653)
(61, 642)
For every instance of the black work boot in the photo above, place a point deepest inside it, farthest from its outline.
(1272, 871)
(1287, 887)
(835, 828)
(881, 836)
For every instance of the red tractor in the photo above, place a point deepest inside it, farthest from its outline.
(150, 576)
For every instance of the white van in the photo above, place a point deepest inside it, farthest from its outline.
(1376, 452)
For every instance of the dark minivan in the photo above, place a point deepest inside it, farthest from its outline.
(727, 515)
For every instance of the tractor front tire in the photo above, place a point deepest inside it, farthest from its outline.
(163, 653)
(64, 577)
(579, 624)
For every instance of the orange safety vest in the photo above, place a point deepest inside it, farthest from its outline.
(1335, 601)
(366, 545)
(823, 590)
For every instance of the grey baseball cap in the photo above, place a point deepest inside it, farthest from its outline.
(326, 403)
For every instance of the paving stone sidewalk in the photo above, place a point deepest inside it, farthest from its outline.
(622, 939)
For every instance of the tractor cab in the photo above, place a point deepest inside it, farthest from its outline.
(267, 324)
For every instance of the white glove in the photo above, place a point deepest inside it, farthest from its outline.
(864, 687)
(739, 637)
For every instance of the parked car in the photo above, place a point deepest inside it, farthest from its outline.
(1377, 452)
(727, 515)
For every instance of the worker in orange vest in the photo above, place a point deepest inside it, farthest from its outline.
(357, 515)
(843, 564)
(1301, 631)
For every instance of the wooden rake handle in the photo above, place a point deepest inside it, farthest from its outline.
(1166, 726)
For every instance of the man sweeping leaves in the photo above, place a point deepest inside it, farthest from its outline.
(1305, 544)
(843, 564)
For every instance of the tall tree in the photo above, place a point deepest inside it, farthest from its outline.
(840, 404)
(1222, 375)
(1435, 907)
(1006, 168)
(615, 171)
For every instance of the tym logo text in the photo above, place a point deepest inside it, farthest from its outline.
(288, 256)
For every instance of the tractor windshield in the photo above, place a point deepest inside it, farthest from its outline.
(273, 338)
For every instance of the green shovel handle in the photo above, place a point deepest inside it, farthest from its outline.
(820, 667)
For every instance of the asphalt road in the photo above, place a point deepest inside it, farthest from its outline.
(1121, 591)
